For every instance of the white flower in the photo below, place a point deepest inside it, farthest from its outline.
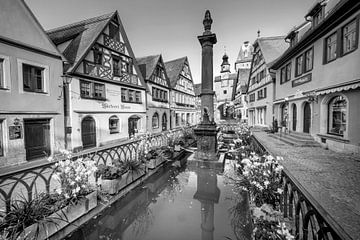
(280, 191)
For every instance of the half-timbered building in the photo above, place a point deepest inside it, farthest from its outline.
(106, 92)
(182, 101)
(261, 83)
(157, 98)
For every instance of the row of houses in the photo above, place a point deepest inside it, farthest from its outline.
(80, 86)
(309, 80)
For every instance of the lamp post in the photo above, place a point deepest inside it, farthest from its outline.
(67, 125)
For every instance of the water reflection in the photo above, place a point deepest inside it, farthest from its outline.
(176, 203)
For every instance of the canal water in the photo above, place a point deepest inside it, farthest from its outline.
(176, 203)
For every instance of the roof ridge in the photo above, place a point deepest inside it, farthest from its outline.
(273, 37)
(178, 59)
(149, 56)
(81, 22)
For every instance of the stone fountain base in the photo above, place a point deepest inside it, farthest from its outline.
(217, 163)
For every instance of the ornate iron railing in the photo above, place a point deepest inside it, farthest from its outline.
(309, 219)
(27, 183)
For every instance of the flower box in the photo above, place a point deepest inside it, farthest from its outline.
(60, 219)
(133, 176)
(155, 162)
(113, 186)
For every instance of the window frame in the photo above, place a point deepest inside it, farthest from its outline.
(92, 90)
(126, 93)
(330, 114)
(97, 51)
(33, 81)
(115, 35)
(116, 71)
(326, 47)
(155, 124)
(45, 77)
(116, 128)
(299, 69)
(356, 29)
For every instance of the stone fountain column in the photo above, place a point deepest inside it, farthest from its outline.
(206, 131)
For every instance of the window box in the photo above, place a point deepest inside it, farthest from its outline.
(61, 218)
(113, 186)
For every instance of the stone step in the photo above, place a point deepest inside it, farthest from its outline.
(301, 135)
(295, 142)
(296, 137)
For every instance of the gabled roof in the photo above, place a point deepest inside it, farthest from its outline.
(150, 63)
(81, 35)
(173, 69)
(17, 21)
(272, 47)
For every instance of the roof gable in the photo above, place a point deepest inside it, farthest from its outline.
(272, 48)
(82, 35)
(148, 66)
(28, 30)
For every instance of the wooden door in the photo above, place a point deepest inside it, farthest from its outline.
(294, 120)
(37, 138)
(164, 122)
(88, 132)
(132, 126)
(307, 117)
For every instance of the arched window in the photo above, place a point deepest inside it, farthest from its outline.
(337, 115)
(164, 122)
(114, 124)
(155, 120)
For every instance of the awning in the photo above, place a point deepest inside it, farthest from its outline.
(339, 89)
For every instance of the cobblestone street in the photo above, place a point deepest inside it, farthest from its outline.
(331, 178)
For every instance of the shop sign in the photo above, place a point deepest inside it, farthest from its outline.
(114, 106)
(15, 132)
(301, 80)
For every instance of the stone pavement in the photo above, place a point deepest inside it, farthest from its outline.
(333, 179)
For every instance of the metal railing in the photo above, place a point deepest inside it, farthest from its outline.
(309, 218)
(27, 183)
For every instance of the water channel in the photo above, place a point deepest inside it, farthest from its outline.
(176, 203)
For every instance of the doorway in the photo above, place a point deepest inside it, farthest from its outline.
(164, 122)
(37, 138)
(294, 117)
(88, 132)
(132, 125)
(307, 117)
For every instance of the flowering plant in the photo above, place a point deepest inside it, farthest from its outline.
(74, 176)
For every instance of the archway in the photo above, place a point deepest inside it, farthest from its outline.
(88, 132)
(164, 122)
(307, 117)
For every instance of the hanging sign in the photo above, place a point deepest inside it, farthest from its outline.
(15, 132)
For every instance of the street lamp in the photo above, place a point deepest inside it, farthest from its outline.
(67, 125)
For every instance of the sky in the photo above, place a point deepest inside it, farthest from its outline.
(171, 27)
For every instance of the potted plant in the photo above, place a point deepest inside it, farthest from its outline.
(135, 169)
(111, 178)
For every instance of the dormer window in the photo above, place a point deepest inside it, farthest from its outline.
(317, 13)
(318, 17)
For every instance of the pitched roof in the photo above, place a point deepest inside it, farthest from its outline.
(173, 69)
(150, 63)
(272, 47)
(232, 76)
(245, 47)
(81, 35)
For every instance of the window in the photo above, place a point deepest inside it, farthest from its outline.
(159, 95)
(116, 66)
(260, 94)
(92, 90)
(225, 92)
(126, 66)
(177, 119)
(2, 85)
(114, 124)
(130, 96)
(308, 60)
(1, 139)
(252, 80)
(285, 73)
(264, 92)
(299, 65)
(33, 78)
(331, 43)
(155, 120)
(349, 37)
(114, 31)
(252, 97)
(318, 17)
(337, 116)
(97, 56)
